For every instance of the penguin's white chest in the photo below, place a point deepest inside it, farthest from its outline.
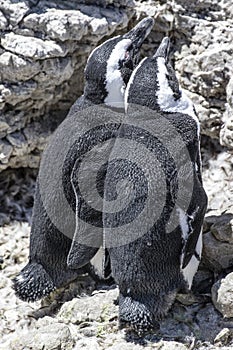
(115, 89)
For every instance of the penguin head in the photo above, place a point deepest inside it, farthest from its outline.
(154, 83)
(110, 65)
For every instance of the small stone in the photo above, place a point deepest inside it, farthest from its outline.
(223, 228)
(222, 337)
(222, 295)
(3, 21)
(16, 139)
(216, 255)
(189, 298)
(3, 125)
(170, 345)
(55, 336)
(88, 309)
(90, 344)
(5, 151)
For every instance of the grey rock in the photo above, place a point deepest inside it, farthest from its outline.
(218, 182)
(223, 228)
(31, 47)
(15, 68)
(163, 345)
(194, 326)
(14, 11)
(3, 126)
(5, 151)
(99, 307)
(209, 323)
(88, 344)
(3, 21)
(223, 336)
(226, 133)
(48, 337)
(203, 280)
(217, 255)
(222, 295)
(204, 71)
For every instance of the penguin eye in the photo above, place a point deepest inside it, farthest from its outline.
(173, 83)
(121, 63)
(127, 61)
(124, 60)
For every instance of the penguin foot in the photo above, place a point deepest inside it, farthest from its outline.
(33, 283)
(136, 317)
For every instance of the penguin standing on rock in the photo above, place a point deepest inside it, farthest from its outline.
(156, 248)
(107, 72)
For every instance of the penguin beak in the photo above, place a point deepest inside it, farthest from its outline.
(136, 37)
(139, 33)
(163, 49)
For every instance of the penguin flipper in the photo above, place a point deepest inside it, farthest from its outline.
(195, 217)
(190, 247)
(80, 253)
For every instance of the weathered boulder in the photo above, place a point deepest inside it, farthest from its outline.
(218, 242)
(44, 47)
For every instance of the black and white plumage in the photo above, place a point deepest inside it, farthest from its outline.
(107, 72)
(151, 268)
(110, 66)
(118, 67)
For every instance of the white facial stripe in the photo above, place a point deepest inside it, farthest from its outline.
(165, 97)
(114, 82)
(190, 270)
(131, 82)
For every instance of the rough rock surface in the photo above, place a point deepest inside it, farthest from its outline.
(85, 315)
(45, 44)
(44, 47)
(226, 134)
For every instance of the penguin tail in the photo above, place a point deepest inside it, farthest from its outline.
(33, 283)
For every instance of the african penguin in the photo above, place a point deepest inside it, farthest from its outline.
(160, 139)
(124, 56)
(107, 72)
